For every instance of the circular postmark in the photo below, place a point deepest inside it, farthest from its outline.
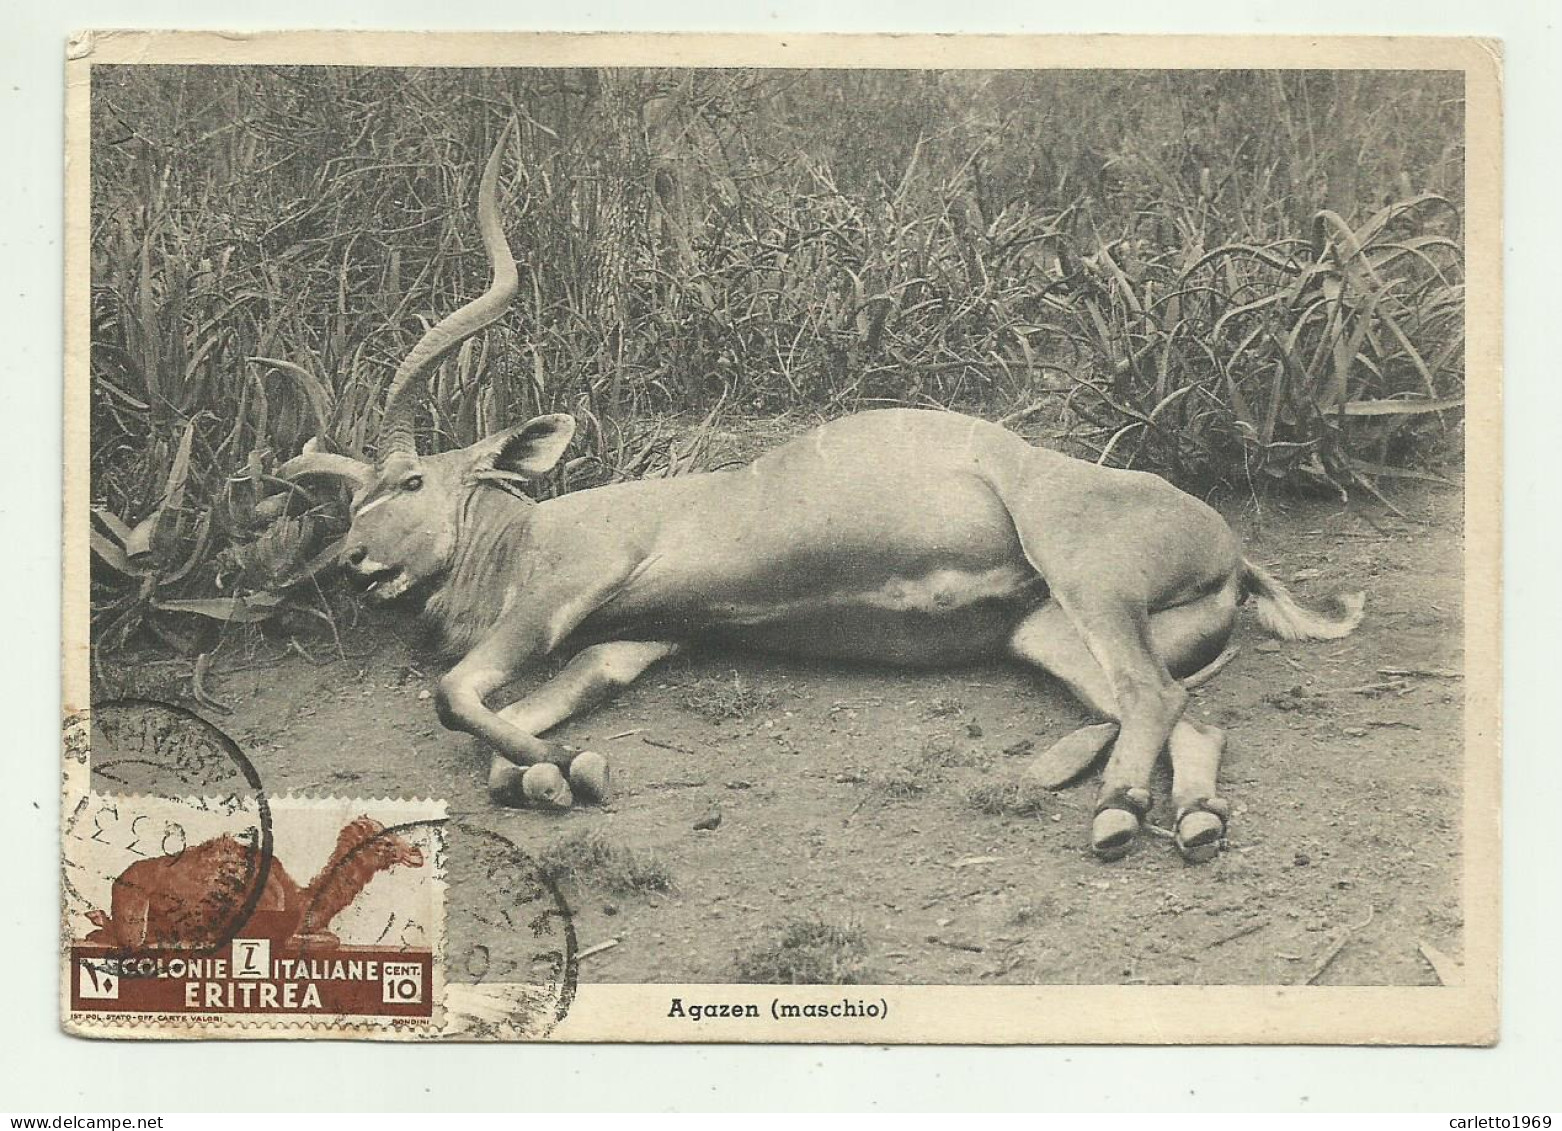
(510, 960)
(171, 845)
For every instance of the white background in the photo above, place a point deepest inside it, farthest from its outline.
(44, 1071)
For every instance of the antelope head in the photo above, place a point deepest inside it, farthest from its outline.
(405, 507)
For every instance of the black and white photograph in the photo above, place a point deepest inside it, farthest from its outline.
(784, 536)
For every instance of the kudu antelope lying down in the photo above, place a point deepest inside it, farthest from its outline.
(898, 536)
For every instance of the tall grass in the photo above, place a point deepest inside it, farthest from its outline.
(1235, 277)
(1280, 358)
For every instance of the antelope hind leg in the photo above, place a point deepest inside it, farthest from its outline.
(1049, 639)
(1200, 823)
(1184, 638)
(1189, 636)
(1150, 705)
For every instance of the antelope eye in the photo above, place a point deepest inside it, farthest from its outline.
(412, 483)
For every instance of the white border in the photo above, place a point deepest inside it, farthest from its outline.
(50, 1072)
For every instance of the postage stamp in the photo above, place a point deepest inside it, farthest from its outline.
(822, 539)
(219, 911)
(207, 927)
(238, 913)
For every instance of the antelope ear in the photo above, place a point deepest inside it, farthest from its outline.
(529, 449)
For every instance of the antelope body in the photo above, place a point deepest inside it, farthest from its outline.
(897, 536)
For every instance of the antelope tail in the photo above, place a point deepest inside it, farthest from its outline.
(1283, 617)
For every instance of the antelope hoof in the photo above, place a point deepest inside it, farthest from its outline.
(504, 783)
(545, 787)
(1070, 756)
(1113, 833)
(1201, 828)
(588, 776)
(1117, 822)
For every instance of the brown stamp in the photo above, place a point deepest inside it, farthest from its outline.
(214, 910)
(182, 914)
(231, 912)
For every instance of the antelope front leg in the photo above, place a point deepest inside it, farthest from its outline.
(593, 676)
(461, 707)
(550, 615)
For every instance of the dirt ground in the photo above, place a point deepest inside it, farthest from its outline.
(859, 799)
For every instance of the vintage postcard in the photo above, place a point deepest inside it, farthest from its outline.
(800, 539)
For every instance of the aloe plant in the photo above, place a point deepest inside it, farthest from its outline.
(152, 562)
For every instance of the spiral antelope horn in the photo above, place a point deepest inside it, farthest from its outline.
(396, 426)
(315, 462)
